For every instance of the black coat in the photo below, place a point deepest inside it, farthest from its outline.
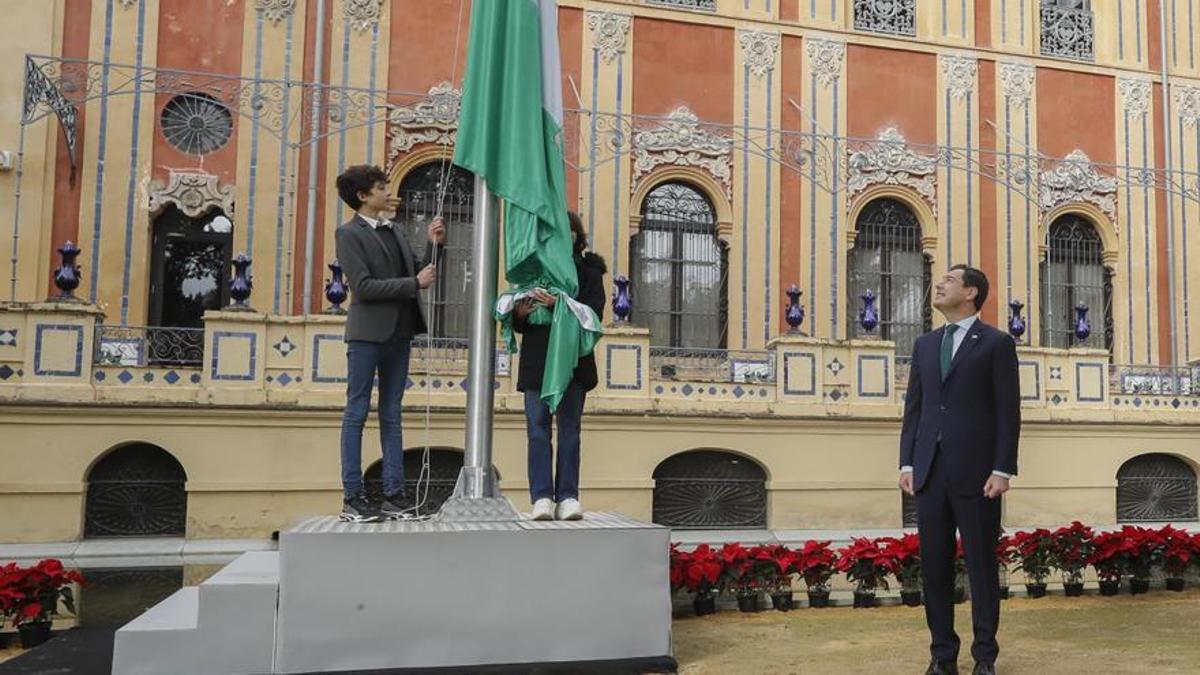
(591, 269)
(976, 412)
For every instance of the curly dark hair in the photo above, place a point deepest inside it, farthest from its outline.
(356, 180)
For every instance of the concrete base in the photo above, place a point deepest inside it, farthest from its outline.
(418, 595)
(436, 594)
(224, 625)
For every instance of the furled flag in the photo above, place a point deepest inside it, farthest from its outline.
(510, 133)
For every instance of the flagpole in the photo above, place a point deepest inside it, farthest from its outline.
(476, 481)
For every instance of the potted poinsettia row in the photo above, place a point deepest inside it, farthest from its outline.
(750, 572)
(29, 597)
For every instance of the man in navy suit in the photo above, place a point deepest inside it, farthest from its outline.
(958, 451)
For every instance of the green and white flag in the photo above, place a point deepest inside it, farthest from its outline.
(510, 133)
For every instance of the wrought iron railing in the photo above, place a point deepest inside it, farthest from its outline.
(1068, 32)
(439, 355)
(704, 5)
(895, 17)
(1153, 380)
(144, 346)
(712, 365)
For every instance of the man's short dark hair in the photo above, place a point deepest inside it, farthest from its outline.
(578, 237)
(358, 179)
(974, 278)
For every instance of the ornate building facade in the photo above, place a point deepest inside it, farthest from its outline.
(720, 153)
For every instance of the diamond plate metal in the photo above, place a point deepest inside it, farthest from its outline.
(486, 509)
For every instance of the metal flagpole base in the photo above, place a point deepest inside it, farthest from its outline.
(461, 507)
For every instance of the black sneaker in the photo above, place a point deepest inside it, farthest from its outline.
(358, 510)
(392, 509)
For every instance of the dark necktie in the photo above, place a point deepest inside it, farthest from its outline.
(948, 348)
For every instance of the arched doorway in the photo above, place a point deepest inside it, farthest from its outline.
(888, 261)
(710, 489)
(1074, 273)
(422, 191)
(137, 490)
(679, 268)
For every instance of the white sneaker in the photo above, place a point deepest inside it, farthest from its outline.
(543, 509)
(570, 509)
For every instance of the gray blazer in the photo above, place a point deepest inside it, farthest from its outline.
(378, 292)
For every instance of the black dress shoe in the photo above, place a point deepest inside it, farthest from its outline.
(942, 668)
(982, 668)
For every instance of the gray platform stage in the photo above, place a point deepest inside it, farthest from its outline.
(418, 595)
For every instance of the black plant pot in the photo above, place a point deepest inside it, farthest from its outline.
(1005, 593)
(1073, 590)
(960, 596)
(1175, 584)
(864, 600)
(910, 598)
(34, 634)
(1110, 588)
(748, 603)
(782, 601)
(1138, 586)
(818, 598)
(703, 605)
(1036, 590)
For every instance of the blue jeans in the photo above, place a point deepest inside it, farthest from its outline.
(543, 481)
(363, 359)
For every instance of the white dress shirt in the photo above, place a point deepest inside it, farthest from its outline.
(375, 223)
(964, 325)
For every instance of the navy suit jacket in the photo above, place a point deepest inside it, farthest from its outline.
(975, 413)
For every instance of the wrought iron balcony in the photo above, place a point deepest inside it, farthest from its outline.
(894, 17)
(711, 365)
(142, 346)
(1068, 29)
(702, 5)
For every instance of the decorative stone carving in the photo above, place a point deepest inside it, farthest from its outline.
(276, 10)
(890, 161)
(759, 49)
(361, 15)
(958, 73)
(827, 58)
(191, 192)
(432, 120)
(609, 33)
(128, 3)
(1076, 180)
(1187, 103)
(680, 141)
(1135, 96)
(1016, 81)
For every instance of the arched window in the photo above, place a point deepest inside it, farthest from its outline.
(444, 467)
(422, 191)
(887, 260)
(136, 491)
(1156, 487)
(1074, 273)
(679, 270)
(709, 489)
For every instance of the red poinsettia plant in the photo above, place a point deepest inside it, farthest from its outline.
(1146, 552)
(1180, 550)
(1110, 555)
(698, 571)
(816, 563)
(904, 556)
(31, 594)
(865, 564)
(1033, 552)
(773, 566)
(1072, 548)
(1006, 551)
(739, 577)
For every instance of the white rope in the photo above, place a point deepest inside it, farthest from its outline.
(421, 490)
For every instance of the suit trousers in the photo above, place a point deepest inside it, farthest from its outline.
(943, 507)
